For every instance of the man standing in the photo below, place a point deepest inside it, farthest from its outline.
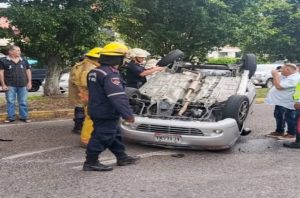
(281, 95)
(107, 103)
(78, 93)
(15, 77)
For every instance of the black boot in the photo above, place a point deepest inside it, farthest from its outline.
(92, 164)
(127, 160)
(294, 145)
(96, 166)
(78, 119)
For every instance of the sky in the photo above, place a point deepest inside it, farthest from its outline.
(3, 5)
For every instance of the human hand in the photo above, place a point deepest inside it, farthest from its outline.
(297, 105)
(274, 72)
(4, 87)
(29, 86)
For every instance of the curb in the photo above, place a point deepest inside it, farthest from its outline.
(69, 113)
(44, 115)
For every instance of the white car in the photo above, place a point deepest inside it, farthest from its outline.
(192, 106)
(263, 76)
(64, 82)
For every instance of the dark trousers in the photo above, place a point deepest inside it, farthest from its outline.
(282, 116)
(106, 134)
(298, 122)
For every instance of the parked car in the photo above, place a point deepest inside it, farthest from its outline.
(263, 76)
(64, 82)
(192, 106)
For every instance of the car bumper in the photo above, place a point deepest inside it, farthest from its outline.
(215, 135)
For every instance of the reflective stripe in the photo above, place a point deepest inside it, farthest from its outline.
(296, 95)
(100, 70)
(115, 94)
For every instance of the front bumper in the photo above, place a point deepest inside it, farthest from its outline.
(212, 135)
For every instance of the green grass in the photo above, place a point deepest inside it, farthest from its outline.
(262, 93)
(31, 98)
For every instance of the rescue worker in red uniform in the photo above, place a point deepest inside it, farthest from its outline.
(107, 103)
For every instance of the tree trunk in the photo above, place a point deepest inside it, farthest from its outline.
(52, 78)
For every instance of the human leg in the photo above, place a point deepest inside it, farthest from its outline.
(296, 144)
(98, 142)
(22, 101)
(10, 96)
(279, 114)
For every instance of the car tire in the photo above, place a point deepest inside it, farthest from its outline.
(132, 92)
(170, 58)
(35, 86)
(237, 107)
(249, 63)
(269, 83)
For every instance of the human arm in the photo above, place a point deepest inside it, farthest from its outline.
(116, 94)
(2, 82)
(151, 71)
(276, 79)
(29, 78)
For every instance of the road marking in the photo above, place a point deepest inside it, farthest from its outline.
(110, 161)
(34, 153)
(16, 123)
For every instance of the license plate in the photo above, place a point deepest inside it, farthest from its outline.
(167, 138)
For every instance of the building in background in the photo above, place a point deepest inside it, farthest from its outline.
(226, 51)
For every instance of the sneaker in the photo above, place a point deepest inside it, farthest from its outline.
(275, 135)
(25, 120)
(127, 160)
(8, 120)
(87, 166)
(287, 137)
(294, 145)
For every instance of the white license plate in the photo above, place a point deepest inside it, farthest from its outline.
(167, 138)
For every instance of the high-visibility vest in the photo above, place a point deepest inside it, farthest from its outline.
(296, 95)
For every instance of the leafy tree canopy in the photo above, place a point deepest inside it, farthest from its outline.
(55, 31)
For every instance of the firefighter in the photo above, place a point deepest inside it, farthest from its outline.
(136, 73)
(107, 103)
(78, 93)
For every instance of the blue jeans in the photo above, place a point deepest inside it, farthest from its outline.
(21, 94)
(282, 116)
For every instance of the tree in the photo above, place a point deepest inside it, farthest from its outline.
(56, 31)
(272, 27)
(194, 26)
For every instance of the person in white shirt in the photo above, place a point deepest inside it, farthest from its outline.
(281, 95)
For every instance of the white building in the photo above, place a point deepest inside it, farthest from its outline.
(226, 51)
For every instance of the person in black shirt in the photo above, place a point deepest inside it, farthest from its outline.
(136, 73)
(15, 78)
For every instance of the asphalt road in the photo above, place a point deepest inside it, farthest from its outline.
(45, 160)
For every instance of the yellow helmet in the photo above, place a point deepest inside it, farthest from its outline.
(115, 49)
(95, 52)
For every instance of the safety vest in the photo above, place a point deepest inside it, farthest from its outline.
(296, 95)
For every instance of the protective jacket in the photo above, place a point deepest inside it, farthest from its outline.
(107, 98)
(77, 81)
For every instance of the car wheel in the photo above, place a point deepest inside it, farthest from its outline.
(237, 107)
(269, 83)
(249, 63)
(171, 57)
(35, 86)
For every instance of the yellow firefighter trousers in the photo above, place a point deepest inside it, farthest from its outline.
(87, 129)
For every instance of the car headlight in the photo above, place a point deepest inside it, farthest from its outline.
(218, 131)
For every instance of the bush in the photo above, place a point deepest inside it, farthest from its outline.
(222, 60)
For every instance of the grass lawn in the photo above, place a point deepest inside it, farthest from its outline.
(262, 92)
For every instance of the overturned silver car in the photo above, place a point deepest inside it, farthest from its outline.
(192, 106)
